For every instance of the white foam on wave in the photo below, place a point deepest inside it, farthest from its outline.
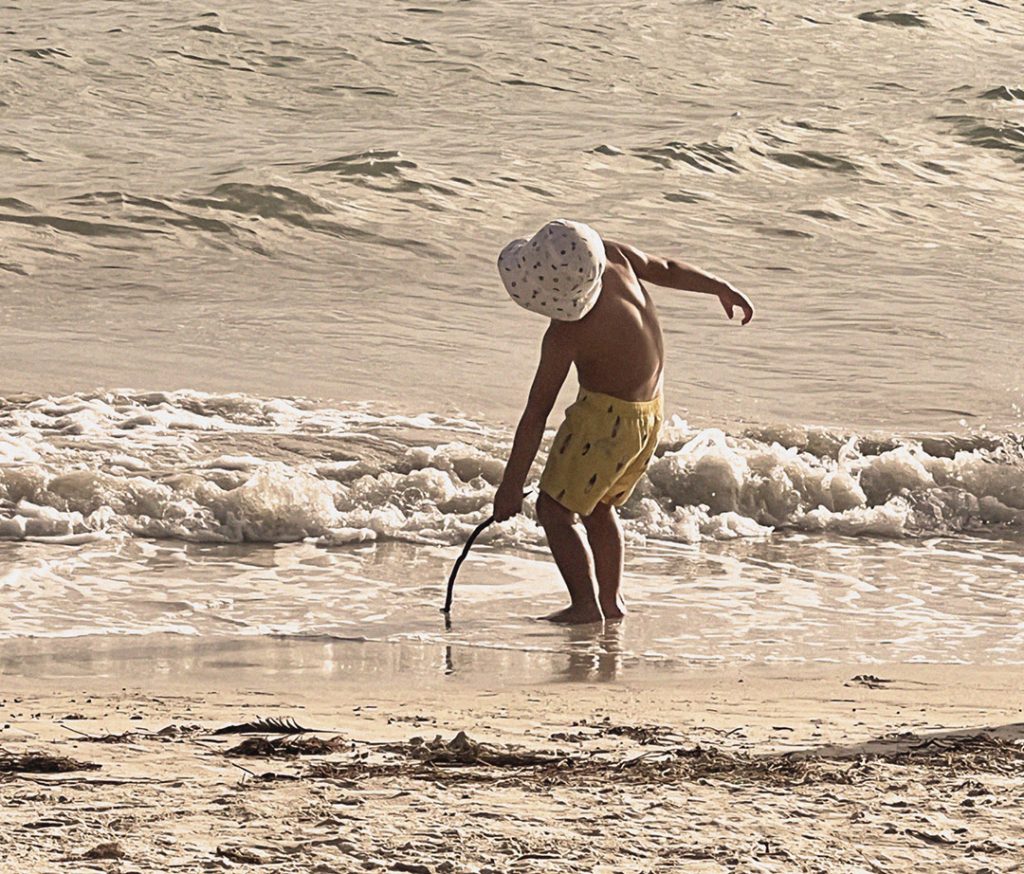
(896, 492)
(198, 467)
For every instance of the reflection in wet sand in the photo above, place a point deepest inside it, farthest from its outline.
(788, 598)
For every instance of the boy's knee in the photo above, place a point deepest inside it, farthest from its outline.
(550, 512)
(602, 515)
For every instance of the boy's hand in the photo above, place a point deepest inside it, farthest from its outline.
(732, 298)
(508, 502)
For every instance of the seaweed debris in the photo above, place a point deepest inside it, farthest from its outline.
(288, 747)
(466, 760)
(41, 763)
(266, 726)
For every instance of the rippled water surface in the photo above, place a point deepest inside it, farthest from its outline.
(794, 600)
(258, 375)
(233, 198)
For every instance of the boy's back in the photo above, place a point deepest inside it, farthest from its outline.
(618, 349)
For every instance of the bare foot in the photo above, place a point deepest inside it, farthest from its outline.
(614, 612)
(573, 615)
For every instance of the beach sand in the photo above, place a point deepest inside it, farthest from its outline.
(785, 767)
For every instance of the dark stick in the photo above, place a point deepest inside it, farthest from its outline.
(447, 608)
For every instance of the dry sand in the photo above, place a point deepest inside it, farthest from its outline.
(786, 768)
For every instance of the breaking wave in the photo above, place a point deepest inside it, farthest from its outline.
(232, 468)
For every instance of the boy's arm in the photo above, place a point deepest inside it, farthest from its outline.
(556, 356)
(676, 274)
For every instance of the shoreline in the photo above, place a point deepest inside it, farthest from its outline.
(581, 655)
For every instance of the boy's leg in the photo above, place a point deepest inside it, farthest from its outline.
(573, 560)
(605, 537)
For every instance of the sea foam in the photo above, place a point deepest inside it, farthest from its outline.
(206, 468)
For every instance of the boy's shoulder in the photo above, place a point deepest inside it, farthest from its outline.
(614, 251)
(619, 252)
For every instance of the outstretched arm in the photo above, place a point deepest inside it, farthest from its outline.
(676, 274)
(555, 358)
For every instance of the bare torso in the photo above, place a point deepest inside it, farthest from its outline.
(619, 348)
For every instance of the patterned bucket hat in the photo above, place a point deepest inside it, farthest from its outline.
(557, 272)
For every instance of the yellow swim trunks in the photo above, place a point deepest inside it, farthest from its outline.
(601, 450)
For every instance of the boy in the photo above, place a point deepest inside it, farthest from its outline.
(603, 321)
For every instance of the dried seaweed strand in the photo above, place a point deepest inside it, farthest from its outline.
(273, 725)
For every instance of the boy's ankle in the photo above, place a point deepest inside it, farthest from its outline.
(615, 609)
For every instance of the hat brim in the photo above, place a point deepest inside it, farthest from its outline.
(567, 306)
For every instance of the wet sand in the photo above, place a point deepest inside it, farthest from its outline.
(765, 768)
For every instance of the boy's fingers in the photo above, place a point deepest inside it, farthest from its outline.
(503, 515)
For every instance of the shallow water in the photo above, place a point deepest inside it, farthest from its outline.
(795, 599)
(241, 216)
(207, 515)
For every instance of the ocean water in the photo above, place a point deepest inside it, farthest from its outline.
(258, 375)
(127, 513)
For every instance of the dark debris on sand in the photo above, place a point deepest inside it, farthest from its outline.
(467, 760)
(289, 747)
(900, 802)
(962, 753)
(266, 726)
(660, 735)
(170, 732)
(41, 763)
(109, 850)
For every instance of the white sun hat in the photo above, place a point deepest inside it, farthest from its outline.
(557, 272)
